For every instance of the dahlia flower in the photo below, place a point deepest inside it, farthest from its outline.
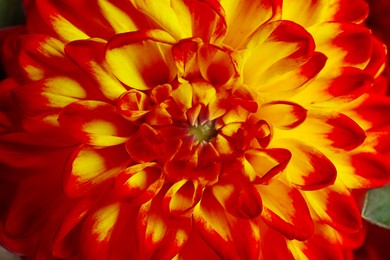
(190, 129)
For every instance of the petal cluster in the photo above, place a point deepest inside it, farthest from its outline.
(190, 129)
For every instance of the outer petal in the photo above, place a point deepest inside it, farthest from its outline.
(89, 167)
(141, 59)
(285, 210)
(95, 123)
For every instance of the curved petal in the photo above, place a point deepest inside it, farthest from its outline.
(141, 59)
(90, 167)
(95, 123)
(285, 210)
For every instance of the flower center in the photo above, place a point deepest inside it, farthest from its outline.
(204, 132)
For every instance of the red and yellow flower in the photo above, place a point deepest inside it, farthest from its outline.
(190, 129)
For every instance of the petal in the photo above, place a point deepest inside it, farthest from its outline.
(245, 17)
(95, 123)
(64, 245)
(141, 59)
(282, 114)
(133, 105)
(347, 83)
(161, 236)
(329, 129)
(335, 206)
(185, 55)
(140, 182)
(296, 80)
(69, 19)
(285, 210)
(230, 237)
(41, 56)
(344, 44)
(184, 19)
(308, 13)
(216, 65)
(239, 197)
(308, 168)
(368, 171)
(88, 55)
(294, 44)
(110, 232)
(98, 231)
(263, 165)
(90, 167)
(371, 110)
(142, 146)
(181, 197)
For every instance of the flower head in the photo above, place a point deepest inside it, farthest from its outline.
(190, 129)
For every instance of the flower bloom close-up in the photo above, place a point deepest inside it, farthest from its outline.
(190, 129)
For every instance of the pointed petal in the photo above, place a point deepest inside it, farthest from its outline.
(141, 59)
(90, 167)
(95, 123)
